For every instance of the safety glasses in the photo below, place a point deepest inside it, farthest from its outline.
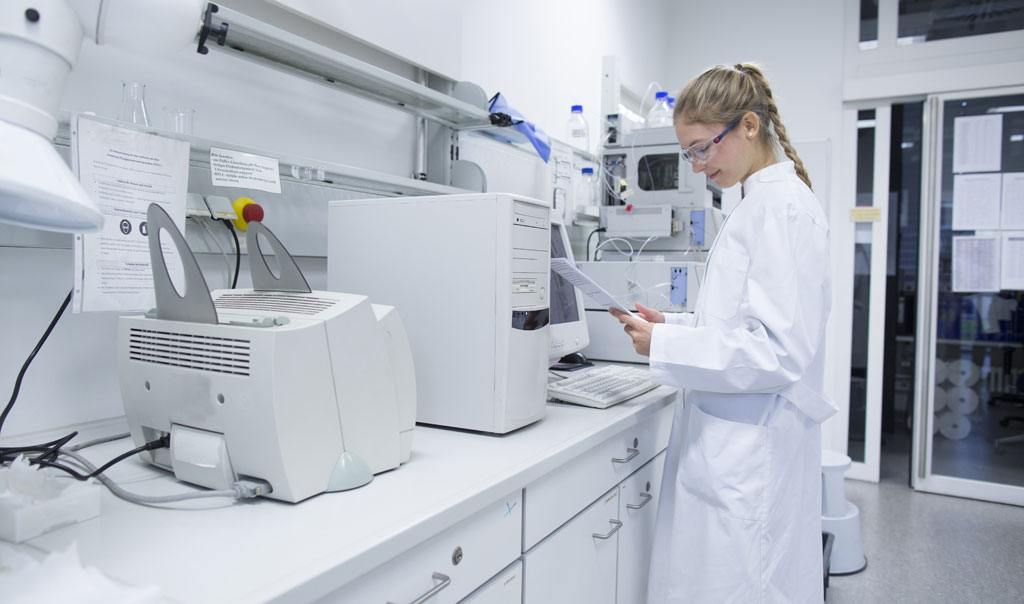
(700, 153)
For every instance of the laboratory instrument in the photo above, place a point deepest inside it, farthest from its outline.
(308, 391)
(665, 285)
(602, 387)
(39, 45)
(663, 197)
(470, 275)
(568, 322)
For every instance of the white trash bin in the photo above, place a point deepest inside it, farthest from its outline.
(840, 517)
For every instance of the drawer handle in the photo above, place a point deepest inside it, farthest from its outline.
(445, 581)
(632, 453)
(636, 506)
(617, 524)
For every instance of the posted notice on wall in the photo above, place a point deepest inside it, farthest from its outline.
(1012, 215)
(124, 171)
(976, 201)
(1012, 276)
(229, 168)
(978, 143)
(976, 263)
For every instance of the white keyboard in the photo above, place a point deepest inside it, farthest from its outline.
(602, 387)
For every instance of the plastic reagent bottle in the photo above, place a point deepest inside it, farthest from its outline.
(660, 114)
(577, 129)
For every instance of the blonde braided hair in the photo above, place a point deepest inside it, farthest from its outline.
(722, 94)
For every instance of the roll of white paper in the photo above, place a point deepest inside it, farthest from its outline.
(962, 400)
(941, 371)
(964, 373)
(953, 425)
(941, 399)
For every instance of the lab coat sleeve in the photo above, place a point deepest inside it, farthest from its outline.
(779, 323)
(680, 318)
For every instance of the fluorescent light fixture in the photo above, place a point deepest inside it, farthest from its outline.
(1007, 109)
(37, 189)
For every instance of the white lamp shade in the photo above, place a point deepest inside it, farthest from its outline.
(37, 189)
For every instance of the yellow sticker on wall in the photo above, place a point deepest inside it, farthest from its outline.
(865, 214)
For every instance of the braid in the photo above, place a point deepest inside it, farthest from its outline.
(775, 120)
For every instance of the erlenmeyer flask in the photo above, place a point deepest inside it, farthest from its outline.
(133, 103)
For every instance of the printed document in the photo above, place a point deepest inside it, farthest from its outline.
(976, 264)
(585, 284)
(124, 170)
(1013, 261)
(976, 201)
(977, 143)
(1012, 215)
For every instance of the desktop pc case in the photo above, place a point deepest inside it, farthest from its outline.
(470, 276)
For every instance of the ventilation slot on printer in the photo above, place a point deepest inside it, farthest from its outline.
(271, 302)
(221, 355)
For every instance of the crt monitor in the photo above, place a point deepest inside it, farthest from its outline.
(568, 320)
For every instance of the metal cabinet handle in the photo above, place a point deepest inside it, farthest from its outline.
(632, 453)
(617, 524)
(636, 506)
(445, 581)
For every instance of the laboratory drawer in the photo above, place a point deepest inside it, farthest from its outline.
(555, 498)
(506, 588)
(448, 566)
(576, 564)
(638, 510)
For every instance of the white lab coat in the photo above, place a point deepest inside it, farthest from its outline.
(740, 511)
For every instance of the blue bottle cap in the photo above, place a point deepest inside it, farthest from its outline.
(576, 108)
(588, 170)
(660, 95)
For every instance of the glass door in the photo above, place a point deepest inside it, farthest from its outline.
(969, 395)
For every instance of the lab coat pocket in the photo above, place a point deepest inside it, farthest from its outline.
(725, 464)
(725, 281)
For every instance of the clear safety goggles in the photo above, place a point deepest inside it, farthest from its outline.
(700, 153)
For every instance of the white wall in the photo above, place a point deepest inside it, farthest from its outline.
(546, 56)
(799, 44)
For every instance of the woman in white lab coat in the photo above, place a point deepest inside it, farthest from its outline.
(740, 512)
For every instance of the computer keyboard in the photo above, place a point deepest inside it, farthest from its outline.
(602, 387)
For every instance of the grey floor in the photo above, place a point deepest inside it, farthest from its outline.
(931, 548)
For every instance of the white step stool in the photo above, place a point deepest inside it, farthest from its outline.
(840, 517)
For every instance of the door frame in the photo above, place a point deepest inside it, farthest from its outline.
(869, 468)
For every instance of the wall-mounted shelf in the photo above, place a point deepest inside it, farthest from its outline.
(336, 175)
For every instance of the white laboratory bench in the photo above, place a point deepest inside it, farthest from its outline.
(265, 550)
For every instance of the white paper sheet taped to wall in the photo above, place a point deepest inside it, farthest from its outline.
(978, 143)
(976, 201)
(124, 170)
(1011, 215)
(1011, 275)
(976, 263)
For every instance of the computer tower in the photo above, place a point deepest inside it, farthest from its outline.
(469, 275)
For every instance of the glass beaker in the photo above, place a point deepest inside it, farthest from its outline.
(181, 119)
(133, 103)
